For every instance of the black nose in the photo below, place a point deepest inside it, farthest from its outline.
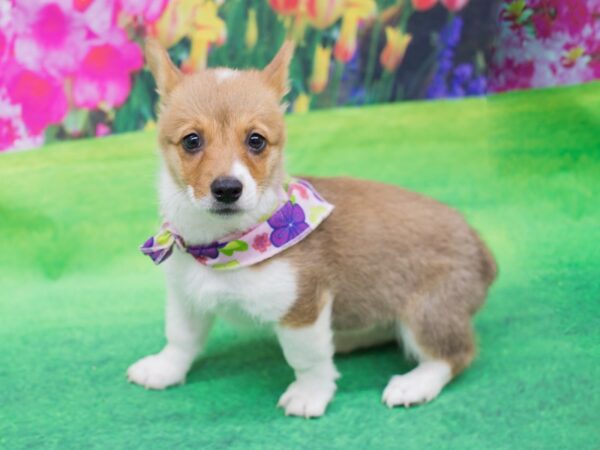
(226, 189)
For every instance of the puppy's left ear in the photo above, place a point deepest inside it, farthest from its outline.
(276, 74)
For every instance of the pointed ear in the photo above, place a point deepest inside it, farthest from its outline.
(276, 74)
(165, 73)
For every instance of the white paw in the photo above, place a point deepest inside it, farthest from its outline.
(307, 398)
(421, 385)
(156, 372)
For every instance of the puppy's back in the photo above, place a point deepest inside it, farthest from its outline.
(383, 246)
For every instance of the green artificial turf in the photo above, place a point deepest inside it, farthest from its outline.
(78, 303)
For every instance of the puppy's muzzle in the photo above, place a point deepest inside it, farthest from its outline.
(226, 189)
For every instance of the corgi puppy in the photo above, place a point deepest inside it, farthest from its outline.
(386, 264)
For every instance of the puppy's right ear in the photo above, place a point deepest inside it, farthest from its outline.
(165, 73)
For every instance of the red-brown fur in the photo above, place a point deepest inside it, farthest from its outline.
(387, 254)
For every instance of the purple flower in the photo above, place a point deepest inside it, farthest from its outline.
(358, 95)
(463, 73)
(158, 255)
(287, 223)
(456, 90)
(205, 251)
(450, 80)
(445, 61)
(450, 34)
(437, 88)
(477, 86)
(449, 38)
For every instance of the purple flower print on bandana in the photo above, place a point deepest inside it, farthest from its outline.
(205, 251)
(287, 223)
(158, 255)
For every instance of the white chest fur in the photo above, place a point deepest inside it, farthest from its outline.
(263, 294)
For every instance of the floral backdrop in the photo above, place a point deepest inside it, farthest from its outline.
(74, 68)
(544, 43)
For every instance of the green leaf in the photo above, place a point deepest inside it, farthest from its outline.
(227, 265)
(234, 246)
(75, 121)
(140, 105)
(315, 213)
(52, 133)
(525, 16)
(164, 237)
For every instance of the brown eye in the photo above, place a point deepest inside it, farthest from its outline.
(256, 143)
(192, 143)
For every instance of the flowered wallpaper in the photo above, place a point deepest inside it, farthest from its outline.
(74, 68)
(544, 43)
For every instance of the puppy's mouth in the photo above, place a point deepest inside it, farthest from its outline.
(225, 211)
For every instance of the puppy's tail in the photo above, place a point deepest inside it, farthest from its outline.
(489, 267)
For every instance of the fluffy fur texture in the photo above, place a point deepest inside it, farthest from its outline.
(386, 264)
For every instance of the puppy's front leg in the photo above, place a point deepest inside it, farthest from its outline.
(309, 351)
(186, 334)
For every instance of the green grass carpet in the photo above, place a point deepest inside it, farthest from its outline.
(78, 303)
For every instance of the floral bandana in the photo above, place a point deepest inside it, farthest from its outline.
(304, 209)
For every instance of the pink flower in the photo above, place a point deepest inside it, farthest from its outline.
(104, 76)
(301, 190)
(100, 16)
(102, 130)
(13, 134)
(42, 98)
(423, 5)
(148, 10)
(451, 5)
(261, 242)
(551, 16)
(49, 36)
(563, 49)
(594, 64)
(454, 5)
(8, 133)
(82, 5)
(3, 46)
(512, 76)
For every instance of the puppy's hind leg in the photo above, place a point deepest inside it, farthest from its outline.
(420, 385)
(442, 346)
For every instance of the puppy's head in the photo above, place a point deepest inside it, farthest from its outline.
(222, 131)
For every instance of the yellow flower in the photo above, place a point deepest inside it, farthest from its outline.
(297, 28)
(361, 8)
(302, 103)
(323, 13)
(320, 71)
(206, 24)
(207, 29)
(395, 48)
(354, 12)
(570, 58)
(174, 23)
(193, 18)
(251, 29)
